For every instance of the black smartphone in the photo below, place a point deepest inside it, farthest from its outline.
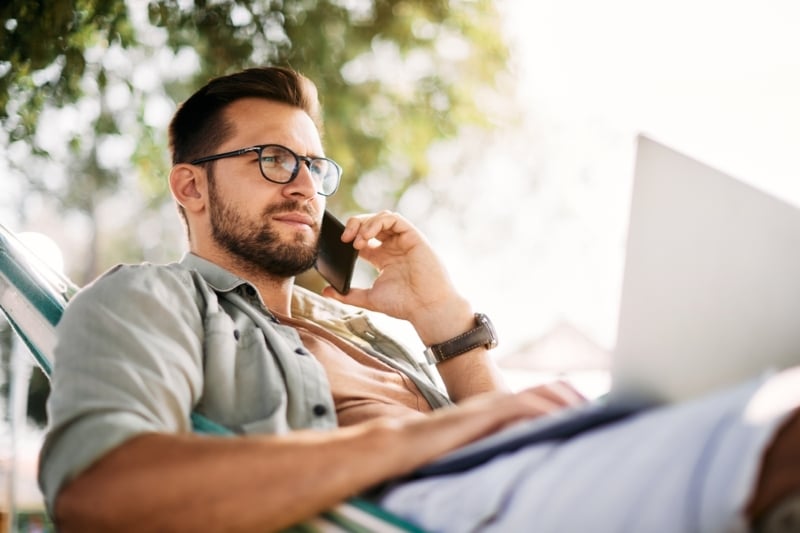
(336, 260)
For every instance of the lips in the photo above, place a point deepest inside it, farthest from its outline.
(299, 219)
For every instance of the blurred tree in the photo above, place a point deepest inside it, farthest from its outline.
(87, 86)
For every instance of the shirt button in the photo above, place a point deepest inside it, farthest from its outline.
(236, 334)
(301, 351)
(320, 410)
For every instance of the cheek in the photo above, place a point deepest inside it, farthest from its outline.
(319, 204)
(256, 196)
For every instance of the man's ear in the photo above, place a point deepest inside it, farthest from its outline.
(188, 186)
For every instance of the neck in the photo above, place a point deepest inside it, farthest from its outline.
(275, 291)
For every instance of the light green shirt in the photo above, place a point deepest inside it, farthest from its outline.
(143, 346)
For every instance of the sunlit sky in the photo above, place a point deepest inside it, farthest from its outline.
(719, 78)
(715, 79)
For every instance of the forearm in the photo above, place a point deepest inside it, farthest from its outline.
(196, 483)
(191, 483)
(472, 373)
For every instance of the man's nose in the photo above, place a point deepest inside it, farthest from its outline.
(304, 183)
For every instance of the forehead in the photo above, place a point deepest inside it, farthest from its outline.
(260, 121)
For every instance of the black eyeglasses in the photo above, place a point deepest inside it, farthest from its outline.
(279, 164)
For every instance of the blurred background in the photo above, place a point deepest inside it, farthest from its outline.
(504, 129)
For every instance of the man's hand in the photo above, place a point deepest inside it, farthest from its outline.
(531, 402)
(413, 285)
(412, 282)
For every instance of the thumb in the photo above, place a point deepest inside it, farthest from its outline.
(356, 297)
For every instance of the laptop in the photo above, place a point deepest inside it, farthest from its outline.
(710, 297)
(711, 293)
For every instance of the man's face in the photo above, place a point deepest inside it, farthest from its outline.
(268, 226)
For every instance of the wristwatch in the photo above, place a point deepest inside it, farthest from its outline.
(483, 334)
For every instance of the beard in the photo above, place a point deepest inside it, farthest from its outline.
(255, 243)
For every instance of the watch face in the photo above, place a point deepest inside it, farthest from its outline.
(484, 321)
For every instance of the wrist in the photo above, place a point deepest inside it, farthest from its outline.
(443, 322)
(481, 335)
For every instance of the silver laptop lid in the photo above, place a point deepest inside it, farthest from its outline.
(711, 291)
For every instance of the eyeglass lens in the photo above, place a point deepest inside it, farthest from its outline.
(279, 164)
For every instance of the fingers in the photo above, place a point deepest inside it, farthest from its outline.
(558, 393)
(411, 283)
(361, 229)
(542, 400)
(528, 403)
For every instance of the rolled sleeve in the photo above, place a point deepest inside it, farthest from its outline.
(116, 373)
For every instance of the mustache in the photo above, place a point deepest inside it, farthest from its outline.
(290, 206)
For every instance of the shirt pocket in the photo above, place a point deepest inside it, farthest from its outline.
(243, 383)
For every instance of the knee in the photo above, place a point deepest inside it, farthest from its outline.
(776, 499)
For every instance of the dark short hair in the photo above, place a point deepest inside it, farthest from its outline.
(199, 126)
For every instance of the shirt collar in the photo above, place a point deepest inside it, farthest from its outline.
(220, 279)
(305, 303)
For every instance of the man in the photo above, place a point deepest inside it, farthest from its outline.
(330, 407)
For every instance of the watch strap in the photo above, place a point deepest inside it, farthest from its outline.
(483, 334)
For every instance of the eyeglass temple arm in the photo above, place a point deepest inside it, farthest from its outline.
(234, 153)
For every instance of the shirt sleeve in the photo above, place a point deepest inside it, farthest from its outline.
(128, 361)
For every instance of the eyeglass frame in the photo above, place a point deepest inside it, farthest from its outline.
(259, 149)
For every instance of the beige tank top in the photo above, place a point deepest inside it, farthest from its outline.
(363, 387)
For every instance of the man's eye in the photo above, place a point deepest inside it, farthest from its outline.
(320, 168)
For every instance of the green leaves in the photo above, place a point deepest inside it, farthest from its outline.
(394, 77)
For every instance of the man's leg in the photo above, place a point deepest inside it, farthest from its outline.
(690, 467)
(775, 506)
